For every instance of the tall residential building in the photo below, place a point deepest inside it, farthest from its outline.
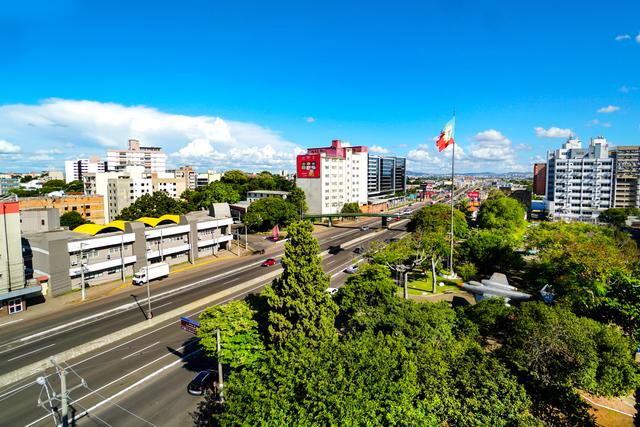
(74, 170)
(190, 175)
(153, 159)
(13, 289)
(207, 178)
(333, 176)
(627, 177)
(125, 189)
(580, 180)
(8, 183)
(386, 175)
(539, 178)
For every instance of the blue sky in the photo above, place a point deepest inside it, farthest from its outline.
(249, 84)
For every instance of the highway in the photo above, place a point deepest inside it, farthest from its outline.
(147, 372)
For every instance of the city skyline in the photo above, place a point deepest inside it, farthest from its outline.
(224, 88)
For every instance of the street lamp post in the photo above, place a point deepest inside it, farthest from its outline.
(82, 271)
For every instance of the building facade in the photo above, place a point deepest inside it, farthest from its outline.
(152, 159)
(386, 175)
(580, 180)
(332, 176)
(254, 195)
(74, 170)
(8, 183)
(119, 249)
(627, 177)
(13, 287)
(90, 207)
(539, 178)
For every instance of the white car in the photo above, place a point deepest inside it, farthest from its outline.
(352, 269)
(332, 291)
(364, 228)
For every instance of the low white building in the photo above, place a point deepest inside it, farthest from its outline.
(254, 195)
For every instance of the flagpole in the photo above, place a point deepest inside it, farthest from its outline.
(453, 162)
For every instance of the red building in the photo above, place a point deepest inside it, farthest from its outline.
(540, 179)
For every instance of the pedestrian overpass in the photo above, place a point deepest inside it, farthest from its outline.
(383, 216)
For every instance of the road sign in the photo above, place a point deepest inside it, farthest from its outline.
(189, 325)
(473, 194)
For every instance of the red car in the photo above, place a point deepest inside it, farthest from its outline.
(398, 218)
(269, 262)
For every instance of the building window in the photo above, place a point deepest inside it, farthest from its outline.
(15, 305)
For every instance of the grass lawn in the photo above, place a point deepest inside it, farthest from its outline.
(420, 284)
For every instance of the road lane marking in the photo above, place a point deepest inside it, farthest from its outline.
(31, 352)
(140, 350)
(163, 305)
(8, 323)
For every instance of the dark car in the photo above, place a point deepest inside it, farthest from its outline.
(203, 381)
(334, 249)
(269, 262)
(359, 250)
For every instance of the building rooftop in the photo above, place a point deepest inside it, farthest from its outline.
(277, 192)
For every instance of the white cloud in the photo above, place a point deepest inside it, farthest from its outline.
(309, 119)
(607, 125)
(490, 151)
(552, 132)
(638, 38)
(91, 127)
(378, 149)
(8, 148)
(623, 37)
(627, 89)
(608, 109)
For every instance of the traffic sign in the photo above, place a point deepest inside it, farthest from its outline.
(189, 325)
(473, 194)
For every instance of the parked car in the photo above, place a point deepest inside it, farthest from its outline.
(269, 262)
(352, 269)
(332, 291)
(365, 228)
(398, 218)
(203, 381)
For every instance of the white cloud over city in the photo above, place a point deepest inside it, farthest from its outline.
(622, 37)
(377, 149)
(56, 129)
(552, 132)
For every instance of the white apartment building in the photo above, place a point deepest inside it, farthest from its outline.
(333, 176)
(75, 169)
(580, 181)
(153, 159)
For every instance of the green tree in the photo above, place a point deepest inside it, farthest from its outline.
(464, 206)
(352, 207)
(215, 192)
(491, 251)
(298, 199)
(153, 205)
(72, 219)
(501, 213)
(54, 184)
(437, 219)
(614, 216)
(75, 187)
(297, 300)
(265, 213)
(26, 178)
(240, 341)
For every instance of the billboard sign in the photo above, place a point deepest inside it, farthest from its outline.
(308, 166)
(189, 325)
(473, 194)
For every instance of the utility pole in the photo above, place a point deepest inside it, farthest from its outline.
(146, 275)
(237, 243)
(63, 397)
(220, 376)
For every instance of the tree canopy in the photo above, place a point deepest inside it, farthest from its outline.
(265, 213)
(501, 212)
(437, 219)
(72, 219)
(153, 205)
(298, 303)
(215, 192)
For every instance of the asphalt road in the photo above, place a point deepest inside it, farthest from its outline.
(141, 380)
